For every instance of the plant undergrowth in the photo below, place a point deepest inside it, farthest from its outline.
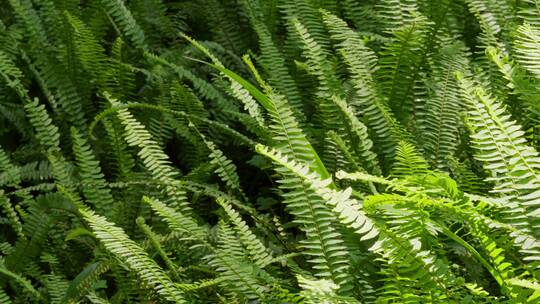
(269, 151)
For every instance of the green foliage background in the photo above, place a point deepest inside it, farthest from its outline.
(269, 151)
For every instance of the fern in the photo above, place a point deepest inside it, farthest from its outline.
(528, 39)
(362, 63)
(115, 240)
(328, 151)
(259, 254)
(499, 143)
(154, 159)
(94, 184)
(442, 111)
(118, 11)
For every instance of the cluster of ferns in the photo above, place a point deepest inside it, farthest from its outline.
(269, 151)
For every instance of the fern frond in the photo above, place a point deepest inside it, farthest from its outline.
(320, 291)
(236, 274)
(347, 209)
(305, 12)
(154, 159)
(123, 17)
(259, 253)
(487, 19)
(394, 14)
(11, 74)
(24, 282)
(11, 215)
(152, 237)
(273, 60)
(89, 51)
(177, 221)
(526, 48)
(117, 242)
(439, 125)
(400, 66)
(319, 65)
(499, 143)
(408, 161)
(521, 85)
(47, 133)
(227, 28)
(360, 141)
(11, 172)
(238, 91)
(322, 244)
(4, 298)
(94, 186)
(528, 12)
(226, 169)
(361, 62)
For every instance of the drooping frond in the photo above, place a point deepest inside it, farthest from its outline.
(347, 209)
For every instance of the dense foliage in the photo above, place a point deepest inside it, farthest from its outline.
(269, 151)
